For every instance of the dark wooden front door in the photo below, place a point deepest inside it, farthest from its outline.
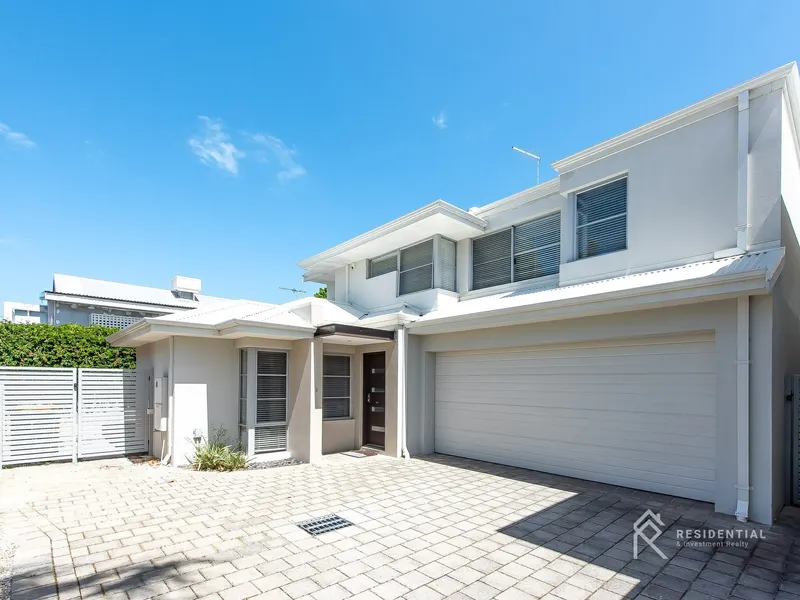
(375, 399)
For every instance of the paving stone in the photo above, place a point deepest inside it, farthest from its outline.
(570, 592)
(301, 587)
(534, 587)
(423, 593)
(440, 527)
(747, 593)
(446, 585)
(390, 590)
(240, 592)
(658, 592)
(499, 581)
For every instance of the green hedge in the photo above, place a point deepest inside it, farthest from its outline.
(66, 345)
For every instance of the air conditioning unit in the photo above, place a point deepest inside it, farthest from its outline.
(186, 284)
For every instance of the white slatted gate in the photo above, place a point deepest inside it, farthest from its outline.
(37, 414)
(49, 414)
(111, 415)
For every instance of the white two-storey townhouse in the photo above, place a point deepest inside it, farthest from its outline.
(632, 321)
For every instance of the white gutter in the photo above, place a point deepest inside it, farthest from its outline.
(438, 207)
(743, 408)
(742, 159)
(347, 284)
(666, 294)
(402, 343)
(166, 309)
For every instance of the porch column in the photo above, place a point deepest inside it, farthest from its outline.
(305, 406)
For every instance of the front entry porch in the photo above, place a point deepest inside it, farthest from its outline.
(331, 393)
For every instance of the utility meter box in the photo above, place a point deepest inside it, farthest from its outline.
(160, 403)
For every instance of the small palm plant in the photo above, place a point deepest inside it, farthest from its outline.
(216, 454)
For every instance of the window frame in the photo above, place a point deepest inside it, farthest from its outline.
(511, 228)
(436, 266)
(576, 226)
(434, 256)
(256, 422)
(349, 416)
(396, 254)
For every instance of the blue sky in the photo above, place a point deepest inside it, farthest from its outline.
(227, 141)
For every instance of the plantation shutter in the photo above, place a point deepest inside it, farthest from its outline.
(271, 397)
(491, 260)
(537, 248)
(382, 265)
(602, 219)
(335, 387)
(416, 268)
(447, 264)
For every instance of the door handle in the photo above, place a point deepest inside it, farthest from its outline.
(367, 398)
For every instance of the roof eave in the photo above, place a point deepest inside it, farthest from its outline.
(121, 304)
(564, 165)
(531, 194)
(755, 282)
(439, 206)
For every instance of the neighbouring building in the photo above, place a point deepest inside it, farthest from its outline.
(632, 321)
(86, 301)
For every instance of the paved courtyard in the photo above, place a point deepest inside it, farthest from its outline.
(427, 528)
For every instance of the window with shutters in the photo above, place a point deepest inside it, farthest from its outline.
(602, 219)
(519, 253)
(271, 399)
(382, 265)
(424, 266)
(335, 387)
(447, 264)
(416, 268)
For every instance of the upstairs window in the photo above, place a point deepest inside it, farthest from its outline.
(522, 252)
(424, 266)
(382, 265)
(416, 268)
(602, 219)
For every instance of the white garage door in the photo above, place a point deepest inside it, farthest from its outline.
(636, 412)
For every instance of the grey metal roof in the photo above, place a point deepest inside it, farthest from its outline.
(125, 292)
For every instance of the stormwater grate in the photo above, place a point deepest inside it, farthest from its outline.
(324, 524)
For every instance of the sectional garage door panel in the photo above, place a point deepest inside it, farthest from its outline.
(637, 412)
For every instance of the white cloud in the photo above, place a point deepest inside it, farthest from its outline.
(275, 149)
(440, 120)
(213, 146)
(15, 137)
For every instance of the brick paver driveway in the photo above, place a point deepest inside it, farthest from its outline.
(427, 528)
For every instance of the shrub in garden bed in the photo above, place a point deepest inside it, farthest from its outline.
(216, 454)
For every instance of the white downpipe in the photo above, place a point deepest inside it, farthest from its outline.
(742, 159)
(743, 408)
(346, 285)
(171, 403)
(402, 339)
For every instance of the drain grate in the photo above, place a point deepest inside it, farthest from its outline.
(324, 524)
